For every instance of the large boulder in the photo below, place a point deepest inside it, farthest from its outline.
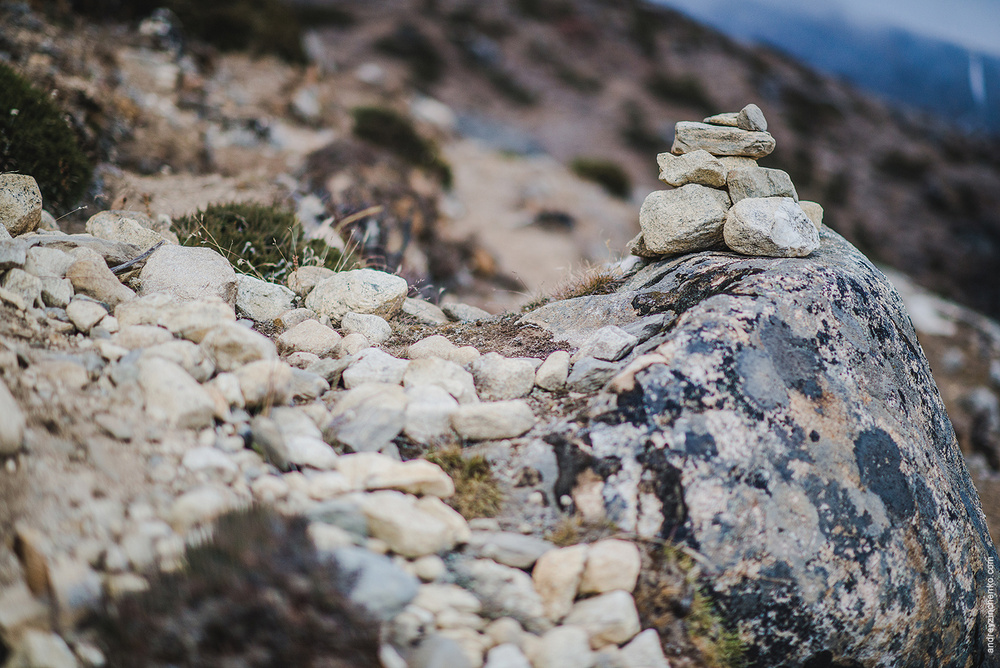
(785, 425)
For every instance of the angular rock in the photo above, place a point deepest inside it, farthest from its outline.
(500, 378)
(770, 226)
(458, 528)
(90, 276)
(564, 647)
(747, 182)
(814, 212)
(608, 343)
(424, 312)
(353, 343)
(508, 548)
(367, 417)
(464, 312)
(114, 253)
(20, 203)
(329, 369)
(729, 119)
(307, 386)
(370, 470)
(394, 518)
(309, 336)
(261, 301)
(439, 346)
(302, 439)
(552, 374)
(85, 313)
(699, 167)
(292, 317)
(611, 564)
(607, 618)
(492, 421)
(186, 355)
(751, 118)
(141, 336)
(191, 320)
(374, 328)
(13, 423)
(56, 292)
(14, 253)
(720, 140)
(231, 346)
(376, 584)
(428, 414)
(504, 592)
(188, 273)
(266, 382)
(557, 576)
(684, 220)
(590, 374)
(304, 279)
(357, 291)
(172, 396)
(644, 651)
(123, 227)
(575, 320)
(372, 365)
(24, 285)
(439, 372)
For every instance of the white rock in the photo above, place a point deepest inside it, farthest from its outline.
(374, 328)
(122, 227)
(373, 365)
(23, 284)
(607, 618)
(90, 276)
(494, 420)
(644, 651)
(368, 417)
(465, 312)
(439, 346)
(728, 119)
(265, 382)
(751, 118)
(556, 577)
(770, 226)
(292, 317)
(206, 457)
(39, 649)
(186, 355)
(56, 291)
(424, 312)
(608, 343)
(505, 590)
(172, 396)
(13, 253)
(611, 564)
(394, 518)
(230, 346)
(438, 598)
(814, 212)
(684, 220)
(197, 507)
(552, 374)
(747, 182)
(720, 140)
(357, 291)
(371, 471)
(13, 422)
(428, 413)
(20, 203)
(191, 320)
(499, 378)
(353, 343)
(311, 337)
(85, 313)
(261, 301)
(188, 273)
(228, 385)
(329, 484)
(563, 647)
(135, 337)
(269, 488)
(439, 372)
(304, 279)
(699, 167)
(506, 656)
(430, 568)
(458, 528)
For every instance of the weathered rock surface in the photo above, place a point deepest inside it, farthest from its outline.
(123, 227)
(720, 140)
(752, 118)
(770, 226)
(357, 291)
(261, 301)
(699, 167)
(788, 426)
(684, 220)
(188, 273)
(20, 203)
(747, 182)
(90, 276)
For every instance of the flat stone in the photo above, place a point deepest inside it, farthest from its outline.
(261, 301)
(439, 372)
(303, 440)
(609, 343)
(720, 140)
(20, 203)
(424, 312)
(292, 317)
(556, 576)
(311, 337)
(113, 252)
(438, 598)
(699, 167)
(751, 118)
(509, 548)
(357, 291)
(231, 345)
(504, 592)
(85, 313)
(590, 374)
(644, 651)
(123, 227)
(374, 328)
(13, 253)
(265, 382)
(186, 355)
(563, 647)
(729, 119)
(607, 618)
(770, 226)
(814, 212)
(191, 320)
(394, 518)
(465, 312)
(304, 279)
(552, 374)
(760, 182)
(611, 564)
(494, 420)
(135, 337)
(367, 417)
(172, 396)
(188, 273)
(373, 365)
(439, 346)
(428, 414)
(371, 471)
(207, 458)
(90, 276)
(684, 220)
(13, 423)
(500, 378)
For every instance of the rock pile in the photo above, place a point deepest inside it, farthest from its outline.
(722, 196)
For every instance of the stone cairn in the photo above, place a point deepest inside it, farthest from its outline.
(721, 195)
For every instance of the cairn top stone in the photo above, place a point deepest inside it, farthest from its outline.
(751, 118)
(720, 140)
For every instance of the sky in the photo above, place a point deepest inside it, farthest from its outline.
(974, 24)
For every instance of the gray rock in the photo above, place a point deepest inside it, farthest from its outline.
(747, 182)
(729, 119)
(552, 373)
(428, 414)
(191, 320)
(770, 226)
(374, 328)
(814, 212)
(508, 548)
(292, 317)
(302, 439)
(424, 312)
(609, 343)
(607, 618)
(751, 118)
(304, 279)
(113, 252)
(172, 396)
(575, 320)
(494, 420)
(739, 414)
(500, 378)
(307, 386)
(720, 140)
(374, 366)
(564, 647)
(230, 346)
(590, 374)
(4, 234)
(368, 417)
(376, 584)
(465, 312)
(122, 226)
(266, 382)
(13, 423)
(13, 253)
(20, 203)
(186, 355)
(439, 346)
(188, 273)
(441, 373)
(437, 651)
(329, 369)
(687, 219)
(56, 292)
(309, 336)
(357, 291)
(23, 284)
(261, 301)
(699, 167)
(503, 591)
(90, 276)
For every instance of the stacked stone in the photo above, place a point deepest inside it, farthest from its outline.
(721, 195)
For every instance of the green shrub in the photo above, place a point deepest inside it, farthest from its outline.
(607, 174)
(35, 139)
(477, 493)
(389, 129)
(261, 240)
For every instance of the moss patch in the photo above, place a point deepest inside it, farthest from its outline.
(477, 493)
